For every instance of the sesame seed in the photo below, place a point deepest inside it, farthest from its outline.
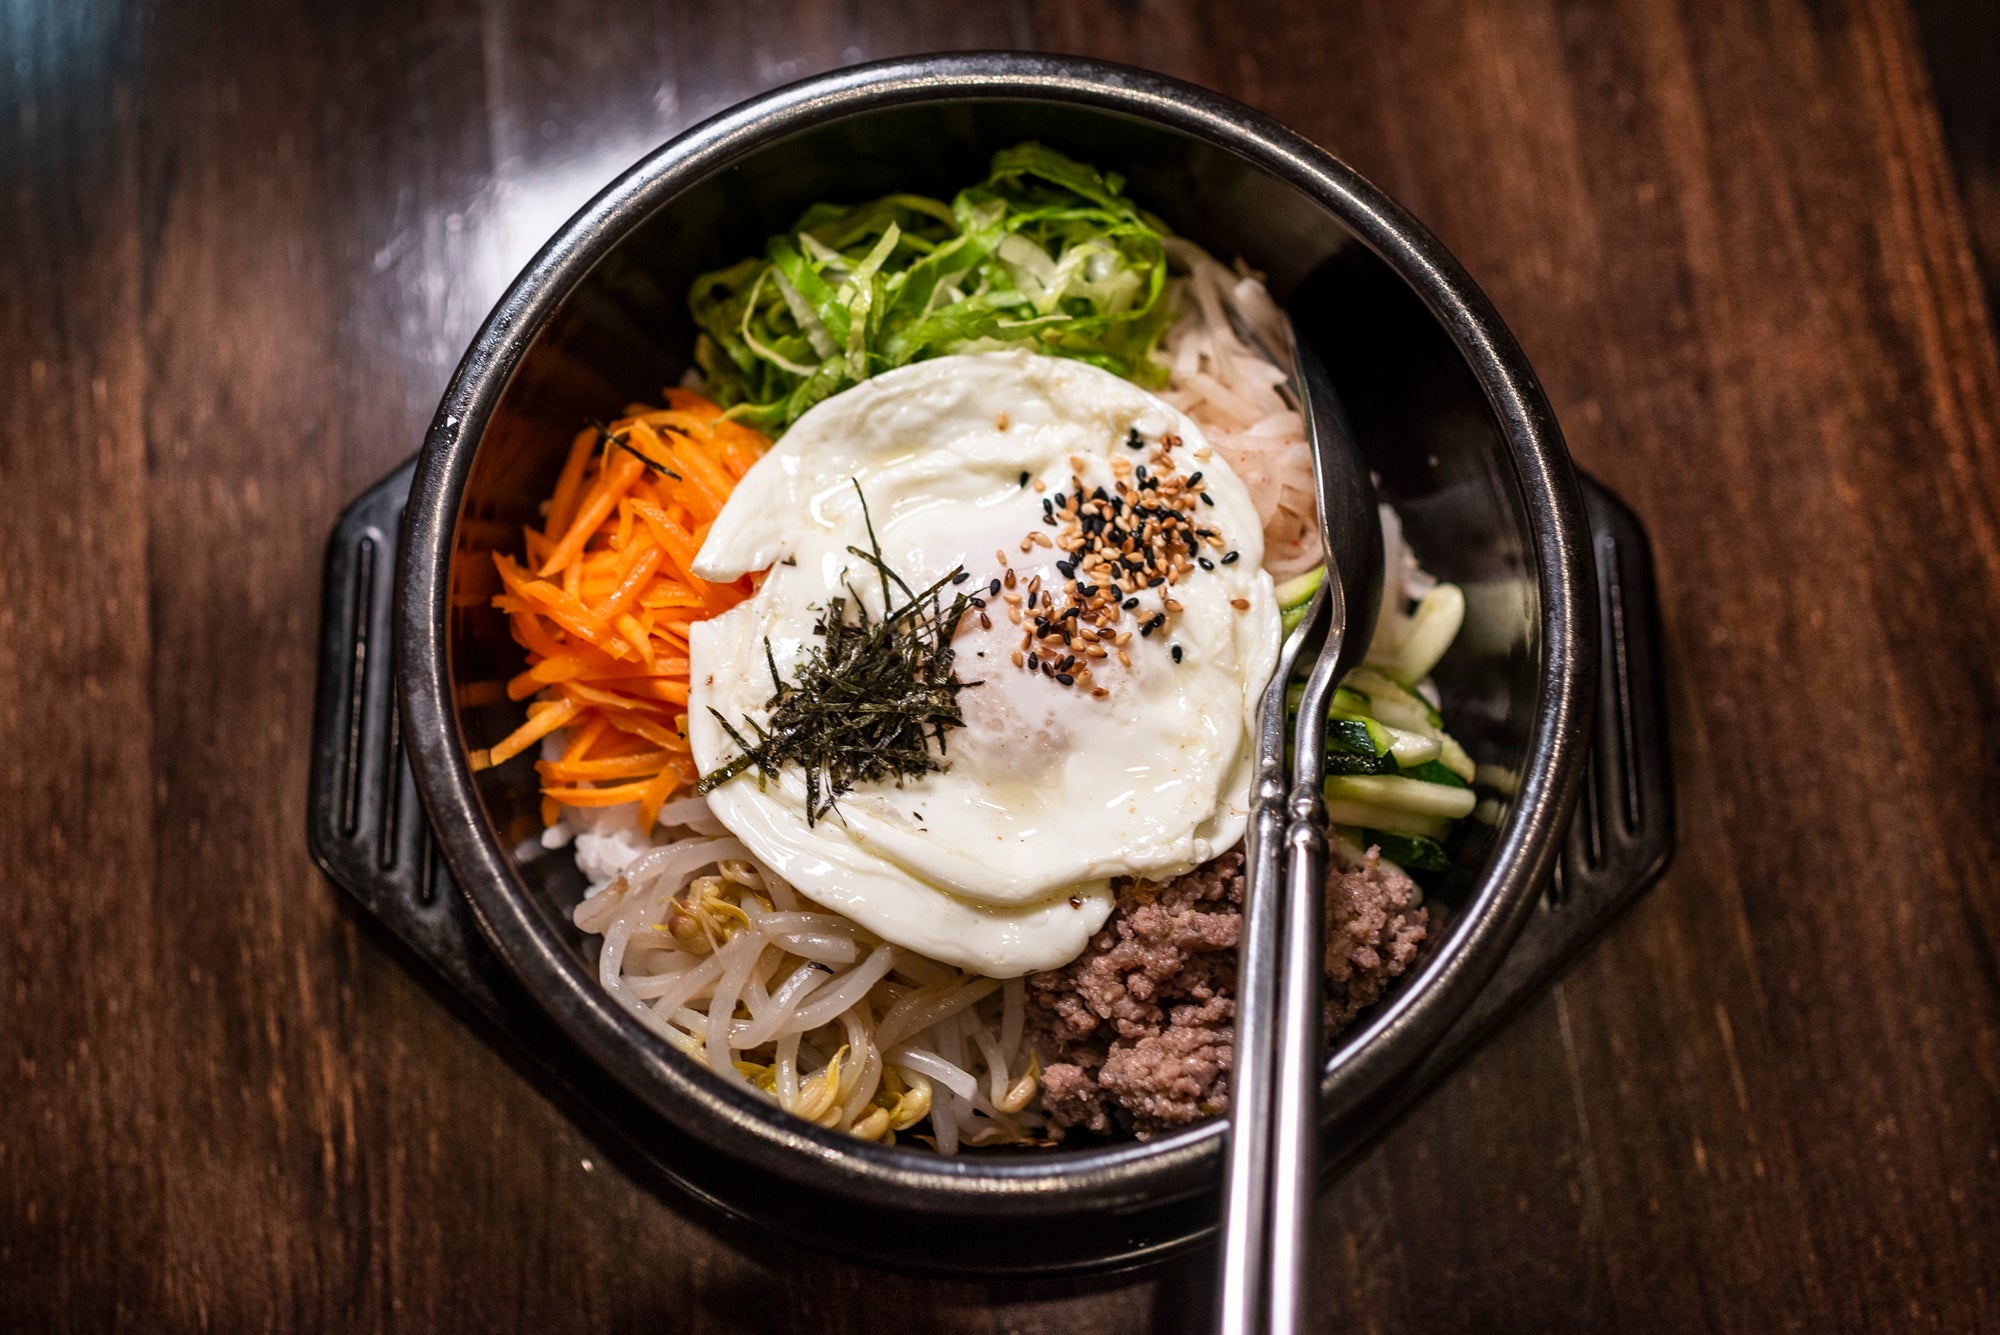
(1194, 478)
(993, 588)
(1041, 485)
(1134, 440)
(1017, 658)
(985, 622)
(1129, 604)
(1033, 662)
(1207, 499)
(1098, 692)
(1177, 653)
(1065, 679)
(1240, 604)
(1124, 659)
(961, 577)
(1024, 477)
(1000, 556)
(1230, 558)
(1204, 563)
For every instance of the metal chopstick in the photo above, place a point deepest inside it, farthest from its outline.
(1248, 1177)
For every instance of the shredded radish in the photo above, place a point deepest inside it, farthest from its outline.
(1230, 389)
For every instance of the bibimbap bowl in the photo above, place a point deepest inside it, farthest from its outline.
(1440, 398)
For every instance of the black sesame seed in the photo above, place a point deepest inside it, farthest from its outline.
(1156, 581)
(1194, 478)
(1204, 563)
(1067, 569)
(1177, 653)
(961, 577)
(1033, 662)
(1230, 558)
(1065, 679)
(1140, 472)
(976, 601)
(1134, 440)
(1024, 479)
(1129, 604)
(993, 588)
(1086, 590)
(1068, 662)
(1207, 499)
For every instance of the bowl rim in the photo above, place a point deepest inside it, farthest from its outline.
(1120, 1177)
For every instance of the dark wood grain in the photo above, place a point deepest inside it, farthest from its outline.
(244, 243)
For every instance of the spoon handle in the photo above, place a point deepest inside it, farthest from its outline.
(1248, 1179)
(1301, 1040)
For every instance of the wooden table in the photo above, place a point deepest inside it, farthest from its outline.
(244, 244)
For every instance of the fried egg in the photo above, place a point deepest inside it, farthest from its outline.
(1000, 862)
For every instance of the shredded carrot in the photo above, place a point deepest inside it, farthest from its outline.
(605, 595)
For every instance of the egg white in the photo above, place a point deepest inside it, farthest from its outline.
(1001, 863)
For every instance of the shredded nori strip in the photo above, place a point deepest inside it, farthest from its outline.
(872, 703)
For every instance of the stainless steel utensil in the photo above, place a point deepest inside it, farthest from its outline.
(1273, 1150)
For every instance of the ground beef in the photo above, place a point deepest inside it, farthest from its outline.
(1372, 935)
(1137, 1033)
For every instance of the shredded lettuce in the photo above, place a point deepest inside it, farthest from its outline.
(1046, 251)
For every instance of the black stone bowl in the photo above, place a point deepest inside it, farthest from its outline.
(1440, 397)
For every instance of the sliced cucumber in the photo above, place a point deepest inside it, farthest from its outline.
(1453, 757)
(1411, 748)
(1359, 735)
(1298, 590)
(1354, 747)
(1411, 852)
(1395, 793)
(1432, 771)
(1294, 596)
(1390, 698)
(1429, 632)
(1367, 815)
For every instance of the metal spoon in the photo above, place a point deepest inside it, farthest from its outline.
(1274, 1124)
